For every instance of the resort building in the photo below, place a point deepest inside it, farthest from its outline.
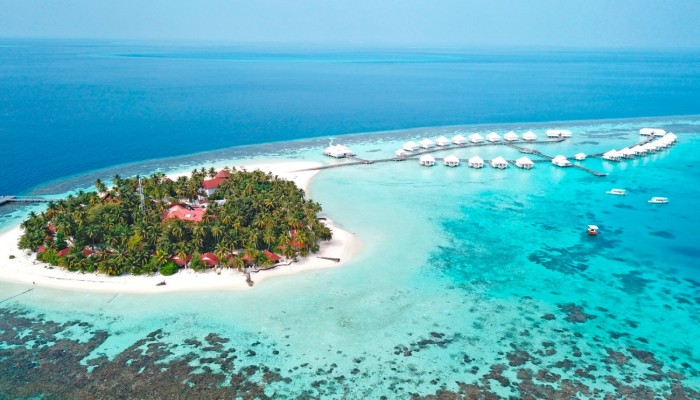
(476, 162)
(401, 153)
(459, 139)
(580, 157)
(337, 151)
(529, 136)
(612, 155)
(524, 163)
(510, 136)
(639, 150)
(451, 161)
(223, 174)
(560, 133)
(427, 160)
(410, 146)
(627, 153)
(476, 138)
(493, 137)
(442, 141)
(180, 262)
(561, 161)
(209, 186)
(185, 212)
(652, 132)
(499, 162)
(427, 143)
(274, 258)
(649, 147)
(660, 143)
(210, 259)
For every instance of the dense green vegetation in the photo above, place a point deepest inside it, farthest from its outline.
(250, 212)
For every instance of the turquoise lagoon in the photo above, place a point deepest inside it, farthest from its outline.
(479, 282)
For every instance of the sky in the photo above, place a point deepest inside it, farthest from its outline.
(657, 24)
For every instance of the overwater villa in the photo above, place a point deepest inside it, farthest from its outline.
(442, 141)
(650, 147)
(493, 137)
(524, 163)
(475, 162)
(529, 136)
(511, 136)
(451, 161)
(660, 143)
(558, 133)
(337, 151)
(580, 157)
(652, 132)
(612, 155)
(459, 139)
(561, 161)
(410, 146)
(426, 143)
(401, 153)
(499, 162)
(427, 160)
(639, 150)
(627, 153)
(476, 138)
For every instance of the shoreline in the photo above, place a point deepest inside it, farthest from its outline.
(25, 269)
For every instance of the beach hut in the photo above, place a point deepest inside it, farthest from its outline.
(560, 133)
(476, 162)
(459, 139)
(561, 161)
(210, 259)
(426, 143)
(451, 161)
(401, 153)
(627, 153)
(510, 136)
(337, 151)
(612, 155)
(529, 136)
(427, 160)
(652, 132)
(639, 150)
(524, 163)
(442, 141)
(499, 162)
(580, 157)
(410, 146)
(476, 138)
(493, 137)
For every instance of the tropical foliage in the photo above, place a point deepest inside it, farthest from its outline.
(125, 229)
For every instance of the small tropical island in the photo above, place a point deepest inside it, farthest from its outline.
(210, 220)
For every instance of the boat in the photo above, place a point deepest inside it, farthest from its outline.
(592, 230)
(617, 192)
(659, 200)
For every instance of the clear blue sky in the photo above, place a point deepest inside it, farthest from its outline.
(449, 23)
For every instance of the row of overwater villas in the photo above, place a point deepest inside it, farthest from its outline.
(499, 162)
(492, 137)
(639, 150)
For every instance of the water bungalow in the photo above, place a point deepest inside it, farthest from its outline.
(401, 153)
(524, 163)
(650, 147)
(561, 161)
(427, 143)
(529, 136)
(560, 133)
(639, 150)
(337, 151)
(427, 160)
(510, 136)
(476, 138)
(580, 157)
(627, 153)
(612, 155)
(442, 141)
(476, 162)
(493, 137)
(660, 144)
(671, 137)
(652, 132)
(410, 146)
(459, 139)
(451, 161)
(499, 162)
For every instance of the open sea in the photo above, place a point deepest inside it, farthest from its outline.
(473, 283)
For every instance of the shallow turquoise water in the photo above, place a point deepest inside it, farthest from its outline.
(461, 272)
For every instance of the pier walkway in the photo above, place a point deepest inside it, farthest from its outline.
(17, 199)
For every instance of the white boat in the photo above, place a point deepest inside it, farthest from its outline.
(617, 192)
(659, 200)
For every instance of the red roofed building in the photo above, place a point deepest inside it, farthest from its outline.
(179, 261)
(87, 252)
(210, 185)
(64, 252)
(185, 213)
(51, 228)
(272, 256)
(210, 259)
(41, 249)
(223, 174)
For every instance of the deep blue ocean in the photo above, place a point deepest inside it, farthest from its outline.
(67, 107)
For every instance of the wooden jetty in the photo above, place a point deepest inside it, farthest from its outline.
(18, 199)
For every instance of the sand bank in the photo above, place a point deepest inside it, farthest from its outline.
(24, 268)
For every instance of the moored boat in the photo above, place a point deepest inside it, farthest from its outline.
(659, 200)
(617, 192)
(592, 230)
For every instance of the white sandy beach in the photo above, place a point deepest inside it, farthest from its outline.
(24, 268)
